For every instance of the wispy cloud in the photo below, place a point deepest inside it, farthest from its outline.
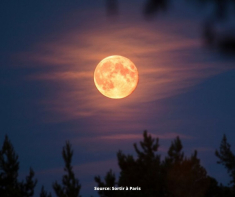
(204, 149)
(66, 75)
(136, 136)
(111, 142)
(165, 61)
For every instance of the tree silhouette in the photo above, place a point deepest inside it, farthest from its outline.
(227, 158)
(153, 6)
(224, 42)
(174, 176)
(70, 185)
(9, 166)
(43, 193)
(184, 176)
(144, 171)
(27, 188)
(109, 181)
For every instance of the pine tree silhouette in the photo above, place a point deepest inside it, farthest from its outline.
(9, 166)
(43, 193)
(70, 185)
(174, 176)
(184, 176)
(227, 158)
(109, 181)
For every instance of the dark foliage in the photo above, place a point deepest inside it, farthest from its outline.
(109, 181)
(221, 7)
(144, 171)
(223, 42)
(70, 185)
(184, 176)
(174, 176)
(9, 166)
(227, 158)
(44, 193)
(154, 6)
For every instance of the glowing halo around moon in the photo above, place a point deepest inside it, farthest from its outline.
(116, 77)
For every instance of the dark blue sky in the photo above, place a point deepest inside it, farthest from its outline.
(49, 50)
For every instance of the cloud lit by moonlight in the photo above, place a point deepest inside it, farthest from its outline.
(116, 77)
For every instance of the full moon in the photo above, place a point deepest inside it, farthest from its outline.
(116, 77)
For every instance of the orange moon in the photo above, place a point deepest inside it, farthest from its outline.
(116, 77)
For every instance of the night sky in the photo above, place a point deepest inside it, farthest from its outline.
(49, 51)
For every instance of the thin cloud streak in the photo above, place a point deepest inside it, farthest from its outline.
(67, 75)
(136, 136)
(164, 71)
(111, 142)
(204, 149)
